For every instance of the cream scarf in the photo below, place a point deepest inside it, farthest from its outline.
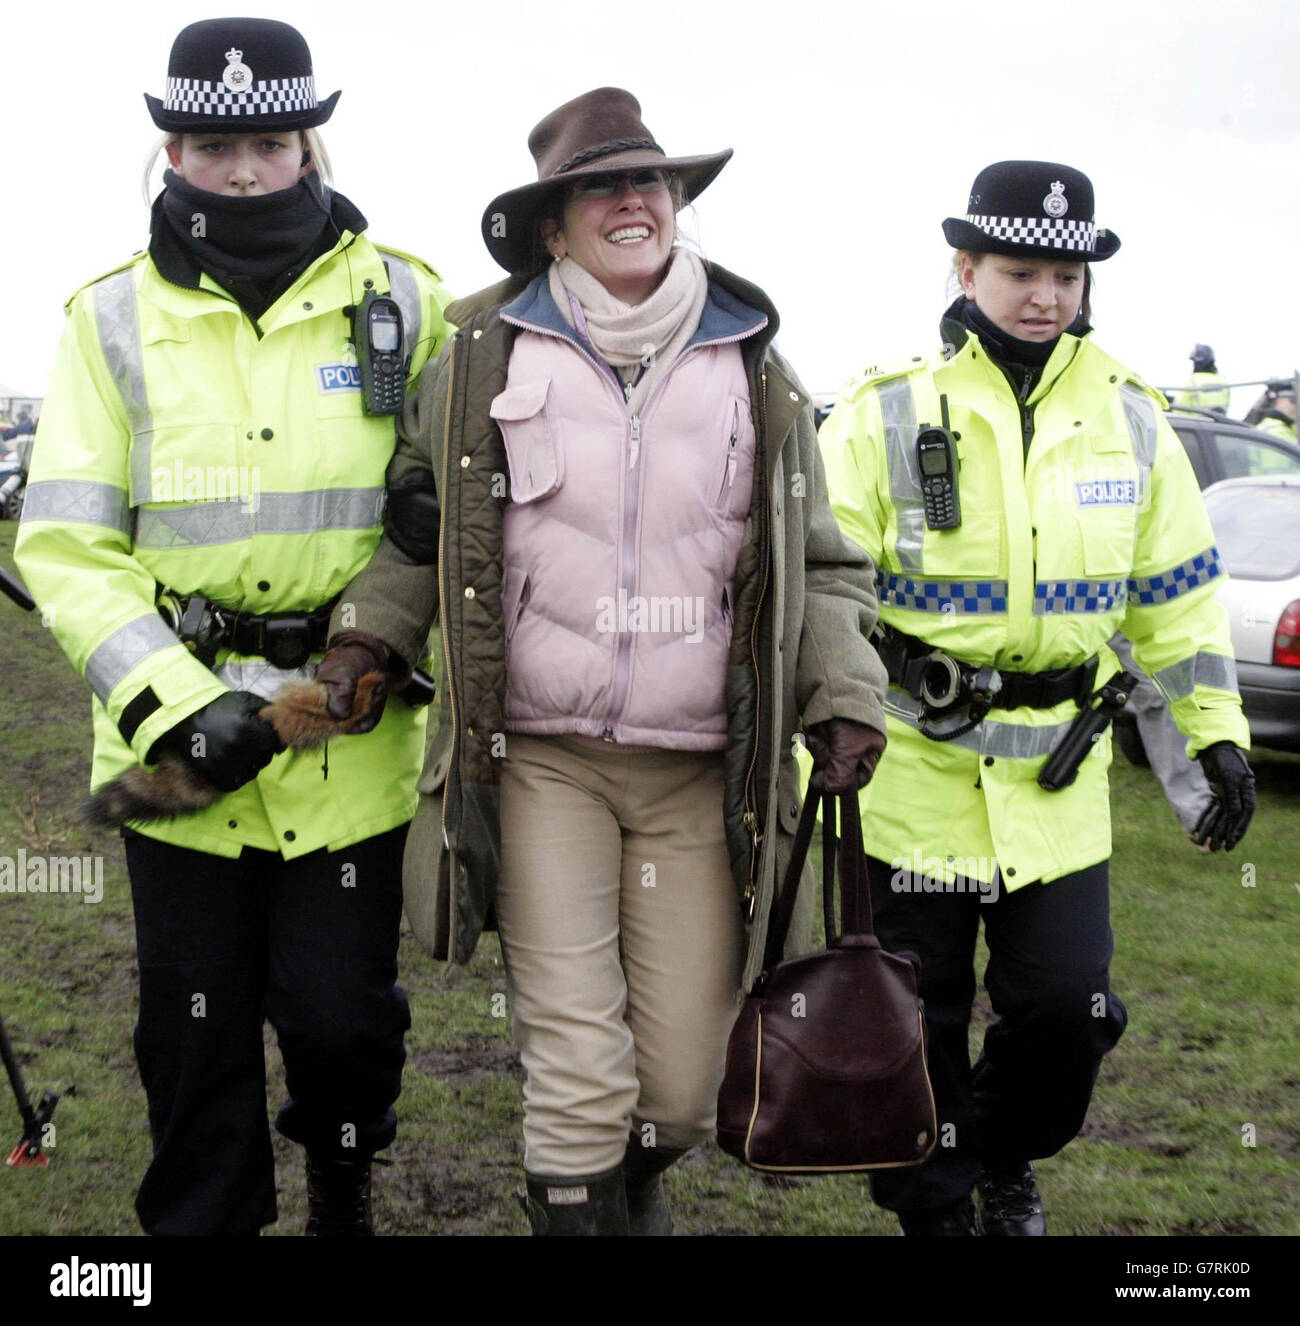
(627, 336)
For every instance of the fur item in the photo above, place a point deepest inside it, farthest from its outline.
(299, 715)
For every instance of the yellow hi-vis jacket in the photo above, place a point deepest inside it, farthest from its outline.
(1100, 528)
(1205, 391)
(178, 447)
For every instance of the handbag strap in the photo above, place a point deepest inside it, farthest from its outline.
(855, 889)
(855, 898)
(778, 925)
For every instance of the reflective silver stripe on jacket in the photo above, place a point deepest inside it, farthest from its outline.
(1008, 741)
(263, 678)
(119, 338)
(406, 293)
(200, 524)
(1179, 680)
(126, 647)
(80, 501)
(1140, 415)
(898, 412)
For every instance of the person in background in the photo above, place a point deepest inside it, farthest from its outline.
(1277, 414)
(1024, 497)
(204, 451)
(609, 486)
(1207, 388)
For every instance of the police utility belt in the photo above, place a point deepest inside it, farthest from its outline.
(945, 686)
(285, 639)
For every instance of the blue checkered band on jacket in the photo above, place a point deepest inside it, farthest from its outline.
(1050, 232)
(978, 596)
(1051, 596)
(1178, 580)
(268, 96)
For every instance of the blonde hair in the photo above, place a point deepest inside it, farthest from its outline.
(311, 142)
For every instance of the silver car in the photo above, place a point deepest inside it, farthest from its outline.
(1257, 528)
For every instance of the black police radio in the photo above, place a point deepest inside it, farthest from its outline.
(377, 336)
(936, 456)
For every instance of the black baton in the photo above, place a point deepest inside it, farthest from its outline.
(1094, 718)
(16, 590)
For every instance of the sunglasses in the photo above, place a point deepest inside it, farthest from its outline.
(605, 186)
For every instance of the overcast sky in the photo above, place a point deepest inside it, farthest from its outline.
(857, 129)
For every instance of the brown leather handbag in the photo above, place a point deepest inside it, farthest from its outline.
(826, 1064)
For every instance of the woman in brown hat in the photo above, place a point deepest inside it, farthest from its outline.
(609, 486)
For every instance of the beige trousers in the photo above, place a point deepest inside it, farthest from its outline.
(622, 937)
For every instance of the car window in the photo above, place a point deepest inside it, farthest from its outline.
(1244, 457)
(1254, 527)
(1192, 445)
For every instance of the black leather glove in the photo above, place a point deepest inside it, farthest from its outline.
(845, 754)
(1223, 825)
(224, 742)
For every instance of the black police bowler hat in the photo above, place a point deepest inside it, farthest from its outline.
(1031, 208)
(239, 75)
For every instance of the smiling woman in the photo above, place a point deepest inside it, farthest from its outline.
(611, 619)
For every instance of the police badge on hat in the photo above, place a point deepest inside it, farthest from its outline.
(1055, 203)
(239, 75)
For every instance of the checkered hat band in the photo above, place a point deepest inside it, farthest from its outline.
(1049, 232)
(268, 96)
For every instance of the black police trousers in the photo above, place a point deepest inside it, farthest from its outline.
(1047, 977)
(311, 946)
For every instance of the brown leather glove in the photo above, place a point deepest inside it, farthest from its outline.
(844, 754)
(351, 655)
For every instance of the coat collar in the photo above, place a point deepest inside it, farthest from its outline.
(1079, 355)
(725, 317)
(336, 279)
(784, 396)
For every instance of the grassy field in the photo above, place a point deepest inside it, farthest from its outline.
(1207, 966)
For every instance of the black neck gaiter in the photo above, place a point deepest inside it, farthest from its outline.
(252, 246)
(1002, 347)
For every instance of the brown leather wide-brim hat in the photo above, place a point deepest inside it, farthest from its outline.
(594, 134)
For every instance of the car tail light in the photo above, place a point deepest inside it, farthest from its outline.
(1286, 643)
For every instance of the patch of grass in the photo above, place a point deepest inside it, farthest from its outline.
(1207, 967)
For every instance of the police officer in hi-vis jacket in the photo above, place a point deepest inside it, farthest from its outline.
(1023, 498)
(203, 447)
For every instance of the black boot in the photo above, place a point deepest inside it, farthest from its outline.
(338, 1193)
(643, 1173)
(586, 1204)
(1009, 1202)
(954, 1220)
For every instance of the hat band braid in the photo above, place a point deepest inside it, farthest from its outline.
(606, 149)
(1046, 232)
